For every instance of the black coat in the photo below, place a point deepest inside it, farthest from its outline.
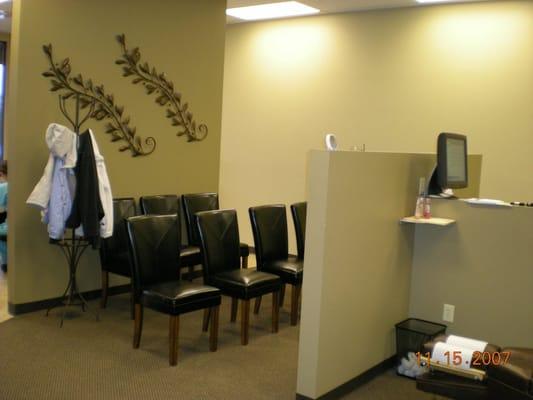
(87, 207)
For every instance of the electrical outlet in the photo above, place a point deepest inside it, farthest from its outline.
(448, 313)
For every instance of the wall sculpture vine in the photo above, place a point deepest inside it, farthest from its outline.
(103, 105)
(158, 84)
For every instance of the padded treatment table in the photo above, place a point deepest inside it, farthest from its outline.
(510, 381)
(454, 387)
(514, 380)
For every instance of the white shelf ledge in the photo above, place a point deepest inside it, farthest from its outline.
(428, 221)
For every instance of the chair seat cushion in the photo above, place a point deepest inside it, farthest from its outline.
(517, 372)
(244, 250)
(290, 270)
(245, 283)
(118, 263)
(190, 256)
(178, 297)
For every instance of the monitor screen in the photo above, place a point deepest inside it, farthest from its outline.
(456, 163)
(452, 160)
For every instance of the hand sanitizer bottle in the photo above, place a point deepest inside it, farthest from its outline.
(427, 207)
(419, 209)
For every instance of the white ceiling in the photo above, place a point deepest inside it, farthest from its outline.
(325, 7)
(336, 6)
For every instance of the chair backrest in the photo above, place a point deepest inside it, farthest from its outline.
(269, 226)
(118, 243)
(193, 203)
(219, 241)
(299, 214)
(160, 205)
(154, 252)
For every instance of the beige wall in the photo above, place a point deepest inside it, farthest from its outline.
(357, 263)
(185, 39)
(483, 266)
(389, 79)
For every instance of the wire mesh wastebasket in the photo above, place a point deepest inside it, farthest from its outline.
(412, 333)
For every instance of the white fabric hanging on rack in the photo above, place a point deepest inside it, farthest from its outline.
(54, 192)
(62, 159)
(104, 189)
(62, 144)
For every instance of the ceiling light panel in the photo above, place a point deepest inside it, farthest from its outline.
(271, 10)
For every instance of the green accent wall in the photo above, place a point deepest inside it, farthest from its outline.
(185, 39)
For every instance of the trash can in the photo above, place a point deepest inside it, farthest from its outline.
(412, 333)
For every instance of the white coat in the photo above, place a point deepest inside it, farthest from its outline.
(62, 143)
(104, 189)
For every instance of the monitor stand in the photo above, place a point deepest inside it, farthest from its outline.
(435, 189)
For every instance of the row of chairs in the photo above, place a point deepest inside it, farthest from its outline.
(114, 251)
(156, 254)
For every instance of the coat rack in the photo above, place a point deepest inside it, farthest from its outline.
(73, 247)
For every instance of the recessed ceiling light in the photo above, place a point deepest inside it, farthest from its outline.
(271, 10)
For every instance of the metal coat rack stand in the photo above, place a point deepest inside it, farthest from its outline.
(73, 247)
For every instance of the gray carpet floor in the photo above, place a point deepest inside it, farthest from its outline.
(94, 360)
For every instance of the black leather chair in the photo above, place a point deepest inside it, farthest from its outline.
(197, 202)
(154, 252)
(114, 250)
(166, 205)
(219, 238)
(269, 227)
(299, 215)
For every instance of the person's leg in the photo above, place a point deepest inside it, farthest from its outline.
(3, 246)
(3, 255)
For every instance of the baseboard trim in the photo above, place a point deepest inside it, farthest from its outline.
(354, 383)
(23, 308)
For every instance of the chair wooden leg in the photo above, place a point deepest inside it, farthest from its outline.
(245, 261)
(205, 323)
(275, 312)
(132, 302)
(173, 332)
(245, 321)
(295, 294)
(282, 295)
(105, 287)
(257, 305)
(191, 272)
(213, 333)
(137, 325)
(234, 305)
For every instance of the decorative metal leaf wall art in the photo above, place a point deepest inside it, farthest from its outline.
(157, 83)
(103, 105)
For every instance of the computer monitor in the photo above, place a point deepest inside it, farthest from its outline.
(451, 171)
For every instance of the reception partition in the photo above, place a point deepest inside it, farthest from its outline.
(358, 261)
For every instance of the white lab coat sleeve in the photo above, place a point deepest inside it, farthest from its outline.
(104, 190)
(40, 196)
